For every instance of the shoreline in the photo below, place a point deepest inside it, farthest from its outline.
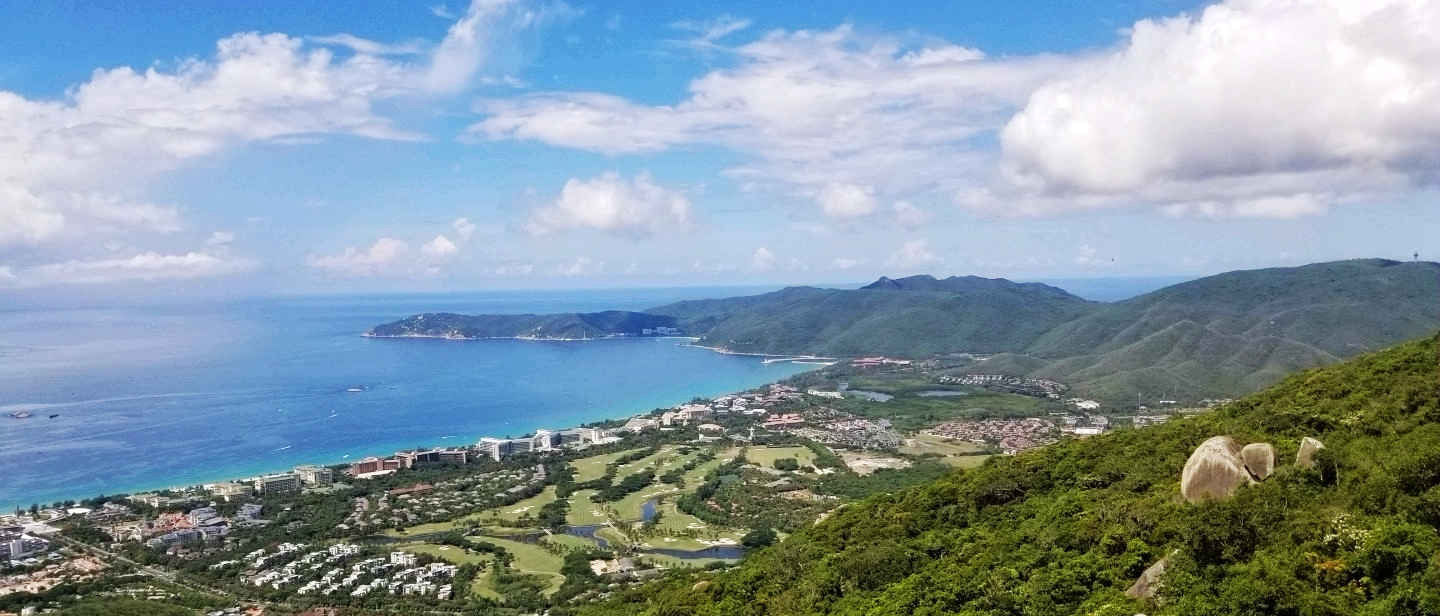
(447, 441)
(525, 338)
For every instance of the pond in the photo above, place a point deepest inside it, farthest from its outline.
(873, 396)
(942, 393)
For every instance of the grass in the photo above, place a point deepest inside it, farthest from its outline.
(958, 454)
(480, 587)
(424, 529)
(533, 559)
(766, 456)
(593, 467)
(965, 461)
(582, 511)
(515, 511)
(921, 444)
(570, 541)
(671, 562)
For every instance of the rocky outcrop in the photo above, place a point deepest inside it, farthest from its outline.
(1214, 471)
(1306, 457)
(1259, 459)
(1148, 583)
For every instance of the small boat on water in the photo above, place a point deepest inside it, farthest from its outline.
(54, 415)
(354, 390)
(20, 414)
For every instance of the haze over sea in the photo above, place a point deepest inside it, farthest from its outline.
(178, 394)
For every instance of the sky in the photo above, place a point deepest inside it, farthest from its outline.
(268, 147)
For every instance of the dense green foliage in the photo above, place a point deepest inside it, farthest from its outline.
(565, 325)
(975, 314)
(1066, 529)
(1240, 331)
(1213, 337)
(125, 607)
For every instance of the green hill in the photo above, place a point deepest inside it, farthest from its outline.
(1067, 528)
(914, 316)
(1213, 337)
(1240, 331)
(554, 326)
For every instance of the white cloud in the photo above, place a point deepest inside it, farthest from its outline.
(463, 228)
(845, 263)
(1276, 207)
(367, 46)
(841, 200)
(581, 266)
(1268, 108)
(380, 258)
(707, 33)
(910, 216)
(440, 248)
(914, 254)
(79, 165)
(468, 44)
(514, 268)
(763, 260)
(148, 266)
(610, 203)
(810, 109)
(220, 238)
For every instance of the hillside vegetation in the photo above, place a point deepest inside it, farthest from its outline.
(1213, 337)
(561, 326)
(1240, 331)
(1067, 528)
(915, 316)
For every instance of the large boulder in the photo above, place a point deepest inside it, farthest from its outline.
(1259, 459)
(1306, 457)
(1214, 471)
(1148, 583)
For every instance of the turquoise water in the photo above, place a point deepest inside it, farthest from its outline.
(155, 396)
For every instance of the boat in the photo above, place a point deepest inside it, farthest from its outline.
(20, 414)
(54, 415)
(355, 389)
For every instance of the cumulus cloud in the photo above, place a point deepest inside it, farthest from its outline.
(463, 228)
(1260, 108)
(220, 238)
(910, 216)
(763, 260)
(147, 266)
(811, 108)
(378, 259)
(440, 248)
(79, 165)
(842, 200)
(914, 254)
(707, 33)
(610, 203)
(369, 47)
(581, 266)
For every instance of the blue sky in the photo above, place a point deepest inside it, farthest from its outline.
(313, 147)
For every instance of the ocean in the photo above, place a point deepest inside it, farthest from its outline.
(183, 393)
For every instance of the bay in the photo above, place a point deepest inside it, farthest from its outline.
(182, 393)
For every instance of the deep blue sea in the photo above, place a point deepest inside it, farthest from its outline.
(175, 394)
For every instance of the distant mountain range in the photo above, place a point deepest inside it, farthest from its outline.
(564, 326)
(1221, 335)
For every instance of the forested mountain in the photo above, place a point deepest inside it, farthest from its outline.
(1066, 529)
(915, 316)
(551, 326)
(1239, 331)
(1216, 336)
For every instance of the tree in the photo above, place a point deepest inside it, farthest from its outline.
(759, 538)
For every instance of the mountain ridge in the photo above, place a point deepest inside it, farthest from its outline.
(1214, 336)
(1067, 528)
